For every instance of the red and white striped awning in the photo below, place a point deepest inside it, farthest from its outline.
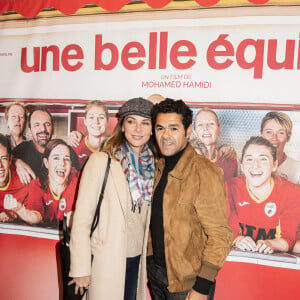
(30, 8)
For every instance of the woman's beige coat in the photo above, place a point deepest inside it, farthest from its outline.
(108, 243)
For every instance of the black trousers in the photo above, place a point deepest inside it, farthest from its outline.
(158, 280)
(131, 278)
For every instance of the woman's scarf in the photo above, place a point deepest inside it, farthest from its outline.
(139, 172)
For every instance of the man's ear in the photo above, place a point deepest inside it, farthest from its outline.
(189, 131)
(29, 131)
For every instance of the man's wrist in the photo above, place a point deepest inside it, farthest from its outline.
(202, 285)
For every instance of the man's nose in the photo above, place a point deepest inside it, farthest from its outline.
(166, 133)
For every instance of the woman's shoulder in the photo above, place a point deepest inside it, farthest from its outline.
(96, 156)
(100, 158)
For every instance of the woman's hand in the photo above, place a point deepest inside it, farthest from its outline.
(75, 138)
(245, 243)
(81, 283)
(227, 152)
(5, 217)
(264, 246)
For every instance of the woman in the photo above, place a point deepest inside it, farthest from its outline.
(276, 127)
(55, 189)
(60, 183)
(16, 117)
(264, 209)
(96, 122)
(119, 242)
(207, 129)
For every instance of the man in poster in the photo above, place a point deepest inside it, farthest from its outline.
(29, 154)
(189, 229)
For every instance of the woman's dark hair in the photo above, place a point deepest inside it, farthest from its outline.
(117, 138)
(173, 106)
(112, 144)
(259, 140)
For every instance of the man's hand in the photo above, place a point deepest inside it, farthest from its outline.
(227, 153)
(24, 172)
(75, 138)
(193, 295)
(81, 283)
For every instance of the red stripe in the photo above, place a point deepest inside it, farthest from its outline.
(30, 8)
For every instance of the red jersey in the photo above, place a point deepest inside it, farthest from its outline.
(275, 217)
(52, 207)
(14, 187)
(83, 152)
(229, 167)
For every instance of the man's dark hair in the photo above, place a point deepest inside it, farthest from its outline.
(39, 108)
(5, 142)
(169, 106)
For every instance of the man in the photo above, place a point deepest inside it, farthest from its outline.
(14, 200)
(29, 154)
(189, 230)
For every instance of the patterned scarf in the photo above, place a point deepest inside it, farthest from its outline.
(139, 172)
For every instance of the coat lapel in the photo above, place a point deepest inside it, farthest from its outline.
(120, 183)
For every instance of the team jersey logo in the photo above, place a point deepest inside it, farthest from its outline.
(49, 202)
(270, 209)
(62, 204)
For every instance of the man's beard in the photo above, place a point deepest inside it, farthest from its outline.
(43, 142)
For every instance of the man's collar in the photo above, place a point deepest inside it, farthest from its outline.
(180, 167)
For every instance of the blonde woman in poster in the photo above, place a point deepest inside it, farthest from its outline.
(207, 128)
(15, 118)
(96, 122)
(276, 127)
(264, 208)
(119, 241)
